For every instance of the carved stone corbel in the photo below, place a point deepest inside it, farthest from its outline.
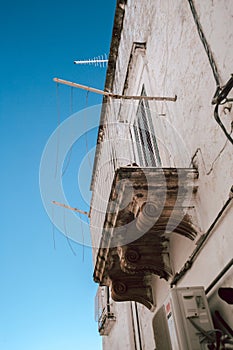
(147, 258)
(135, 288)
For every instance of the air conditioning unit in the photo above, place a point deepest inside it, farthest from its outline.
(184, 321)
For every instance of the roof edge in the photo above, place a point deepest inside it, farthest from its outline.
(110, 75)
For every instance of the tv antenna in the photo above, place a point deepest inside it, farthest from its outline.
(100, 61)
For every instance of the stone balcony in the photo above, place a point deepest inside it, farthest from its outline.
(146, 206)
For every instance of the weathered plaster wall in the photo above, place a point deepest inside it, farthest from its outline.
(175, 63)
(121, 337)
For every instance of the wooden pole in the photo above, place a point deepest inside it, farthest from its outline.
(71, 208)
(79, 86)
(109, 94)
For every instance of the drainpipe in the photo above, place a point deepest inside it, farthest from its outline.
(133, 326)
(220, 275)
(138, 326)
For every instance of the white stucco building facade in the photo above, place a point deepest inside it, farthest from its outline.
(160, 49)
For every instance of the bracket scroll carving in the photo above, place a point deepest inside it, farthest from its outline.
(134, 288)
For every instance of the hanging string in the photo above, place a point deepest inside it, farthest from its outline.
(67, 238)
(110, 133)
(58, 130)
(53, 229)
(86, 136)
(71, 99)
(71, 148)
(68, 161)
(83, 246)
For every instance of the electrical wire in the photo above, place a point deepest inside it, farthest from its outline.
(219, 154)
(220, 96)
(220, 99)
(188, 264)
(219, 276)
(224, 323)
(206, 46)
(206, 334)
(218, 120)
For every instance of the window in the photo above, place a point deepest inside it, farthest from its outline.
(146, 147)
(104, 314)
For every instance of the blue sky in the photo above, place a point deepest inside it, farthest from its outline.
(47, 293)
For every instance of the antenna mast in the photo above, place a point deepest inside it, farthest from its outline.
(97, 61)
(71, 208)
(116, 96)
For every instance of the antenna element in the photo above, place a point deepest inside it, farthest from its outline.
(97, 61)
